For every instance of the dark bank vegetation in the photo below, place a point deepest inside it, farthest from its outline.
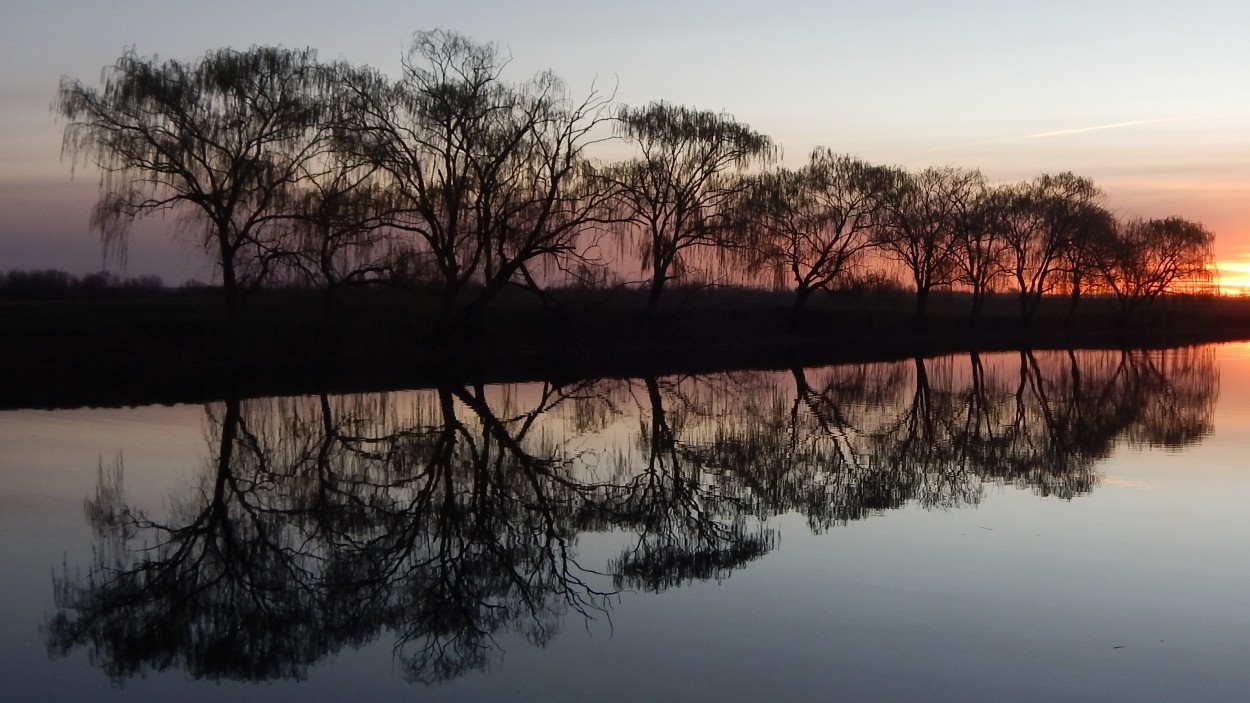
(177, 347)
(51, 284)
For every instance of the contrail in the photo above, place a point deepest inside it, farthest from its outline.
(1066, 132)
(1116, 125)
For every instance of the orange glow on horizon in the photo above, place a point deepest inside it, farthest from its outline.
(1235, 276)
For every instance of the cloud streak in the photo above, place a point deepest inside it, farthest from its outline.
(1069, 132)
(1101, 127)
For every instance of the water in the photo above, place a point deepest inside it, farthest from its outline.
(1001, 527)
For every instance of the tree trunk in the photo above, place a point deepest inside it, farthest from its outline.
(661, 433)
(474, 312)
(1074, 298)
(230, 290)
(800, 380)
(922, 304)
(446, 319)
(978, 303)
(225, 456)
(801, 295)
(923, 397)
(1029, 305)
(658, 279)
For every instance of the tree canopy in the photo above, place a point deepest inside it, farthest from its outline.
(683, 189)
(222, 143)
(814, 225)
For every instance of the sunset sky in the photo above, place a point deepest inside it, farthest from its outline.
(1150, 99)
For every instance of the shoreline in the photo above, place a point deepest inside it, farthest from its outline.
(170, 349)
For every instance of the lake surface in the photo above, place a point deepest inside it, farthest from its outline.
(1026, 527)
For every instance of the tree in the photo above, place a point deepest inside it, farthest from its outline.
(222, 142)
(339, 236)
(925, 213)
(1046, 218)
(979, 232)
(1082, 255)
(1148, 258)
(487, 178)
(814, 225)
(682, 189)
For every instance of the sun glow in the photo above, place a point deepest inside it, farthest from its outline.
(1235, 276)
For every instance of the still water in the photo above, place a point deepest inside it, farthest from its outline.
(1055, 525)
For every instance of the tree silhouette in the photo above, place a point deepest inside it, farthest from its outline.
(219, 591)
(1046, 218)
(815, 225)
(683, 190)
(1143, 259)
(981, 245)
(926, 213)
(487, 178)
(691, 523)
(338, 236)
(222, 142)
(455, 178)
(318, 527)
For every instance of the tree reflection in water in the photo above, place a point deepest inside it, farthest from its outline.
(450, 517)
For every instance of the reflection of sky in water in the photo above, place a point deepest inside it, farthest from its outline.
(1134, 591)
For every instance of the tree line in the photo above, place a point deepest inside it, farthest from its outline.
(287, 168)
(52, 284)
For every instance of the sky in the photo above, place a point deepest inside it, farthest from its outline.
(1150, 99)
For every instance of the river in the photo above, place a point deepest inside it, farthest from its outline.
(1007, 526)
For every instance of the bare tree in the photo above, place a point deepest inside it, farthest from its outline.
(814, 225)
(1082, 256)
(1148, 258)
(338, 236)
(980, 229)
(220, 142)
(926, 212)
(682, 188)
(488, 178)
(1047, 217)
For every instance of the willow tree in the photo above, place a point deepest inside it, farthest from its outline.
(1145, 259)
(222, 143)
(339, 235)
(926, 213)
(813, 226)
(486, 178)
(681, 191)
(1082, 256)
(981, 246)
(1048, 217)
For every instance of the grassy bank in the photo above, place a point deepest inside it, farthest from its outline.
(176, 348)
